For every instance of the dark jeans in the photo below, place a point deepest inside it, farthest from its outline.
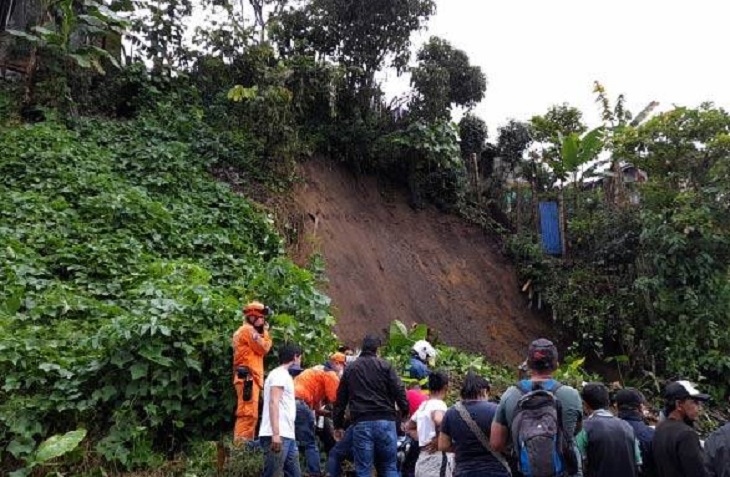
(375, 443)
(341, 452)
(304, 430)
(285, 462)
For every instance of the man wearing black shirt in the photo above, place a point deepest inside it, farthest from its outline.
(676, 446)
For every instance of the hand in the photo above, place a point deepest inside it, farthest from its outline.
(432, 446)
(339, 434)
(266, 325)
(276, 444)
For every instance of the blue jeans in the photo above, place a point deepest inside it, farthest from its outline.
(286, 461)
(304, 430)
(341, 452)
(375, 443)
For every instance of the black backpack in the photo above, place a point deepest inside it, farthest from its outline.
(540, 441)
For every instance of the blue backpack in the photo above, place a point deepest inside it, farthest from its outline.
(542, 448)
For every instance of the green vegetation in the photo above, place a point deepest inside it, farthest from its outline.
(645, 280)
(125, 262)
(124, 265)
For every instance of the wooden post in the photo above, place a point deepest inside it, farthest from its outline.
(477, 187)
(561, 215)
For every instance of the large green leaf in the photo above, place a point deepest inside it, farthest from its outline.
(569, 152)
(23, 35)
(58, 445)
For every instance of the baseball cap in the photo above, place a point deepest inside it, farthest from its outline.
(684, 390)
(629, 398)
(542, 354)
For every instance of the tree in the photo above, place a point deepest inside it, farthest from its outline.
(161, 27)
(559, 120)
(360, 36)
(473, 134)
(445, 78)
(685, 240)
(514, 138)
(617, 122)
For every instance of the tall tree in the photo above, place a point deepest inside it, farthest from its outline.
(362, 37)
(445, 78)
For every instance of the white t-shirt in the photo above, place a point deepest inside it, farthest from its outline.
(424, 423)
(280, 377)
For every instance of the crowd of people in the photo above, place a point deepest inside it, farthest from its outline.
(359, 410)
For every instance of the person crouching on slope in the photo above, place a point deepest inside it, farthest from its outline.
(315, 387)
(251, 342)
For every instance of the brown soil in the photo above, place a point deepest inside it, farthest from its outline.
(385, 261)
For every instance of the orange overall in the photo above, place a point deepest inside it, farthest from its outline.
(316, 387)
(249, 349)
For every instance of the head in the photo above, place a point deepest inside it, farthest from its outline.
(290, 353)
(337, 362)
(346, 350)
(683, 401)
(423, 350)
(542, 357)
(595, 397)
(370, 344)
(438, 382)
(255, 313)
(630, 399)
(474, 387)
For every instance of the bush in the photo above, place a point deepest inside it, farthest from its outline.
(124, 269)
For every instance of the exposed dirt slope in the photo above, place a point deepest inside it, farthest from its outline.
(386, 261)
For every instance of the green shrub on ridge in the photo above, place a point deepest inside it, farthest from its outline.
(124, 268)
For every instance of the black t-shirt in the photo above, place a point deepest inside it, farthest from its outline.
(677, 450)
(470, 456)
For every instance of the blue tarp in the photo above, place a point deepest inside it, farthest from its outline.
(550, 228)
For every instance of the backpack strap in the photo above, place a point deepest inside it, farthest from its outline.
(525, 386)
(474, 428)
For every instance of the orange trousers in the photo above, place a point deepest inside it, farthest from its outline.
(247, 413)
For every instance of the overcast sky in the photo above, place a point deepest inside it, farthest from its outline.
(537, 53)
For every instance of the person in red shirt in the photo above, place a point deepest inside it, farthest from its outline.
(251, 342)
(314, 388)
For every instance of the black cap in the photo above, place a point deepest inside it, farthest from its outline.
(629, 398)
(542, 355)
(683, 390)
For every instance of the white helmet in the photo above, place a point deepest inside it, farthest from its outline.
(424, 350)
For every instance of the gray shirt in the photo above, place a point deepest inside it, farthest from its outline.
(569, 398)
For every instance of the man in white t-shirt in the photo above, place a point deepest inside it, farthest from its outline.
(277, 425)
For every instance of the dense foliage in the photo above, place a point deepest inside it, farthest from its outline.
(124, 268)
(646, 280)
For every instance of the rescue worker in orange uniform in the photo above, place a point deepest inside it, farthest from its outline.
(251, 342)
(313, 388)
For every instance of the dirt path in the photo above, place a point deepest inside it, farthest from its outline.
(385, 261)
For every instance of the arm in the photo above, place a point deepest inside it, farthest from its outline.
(498, 437)
(499, 432)
(260, 342)
(710, 451)
(331, 385)
(581, 442)
(411, 429)
(437, 417)
(445, 444)
(398, 392)
(343, 397)
(274, 398)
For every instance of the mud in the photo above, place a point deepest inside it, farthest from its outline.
(385, 261)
